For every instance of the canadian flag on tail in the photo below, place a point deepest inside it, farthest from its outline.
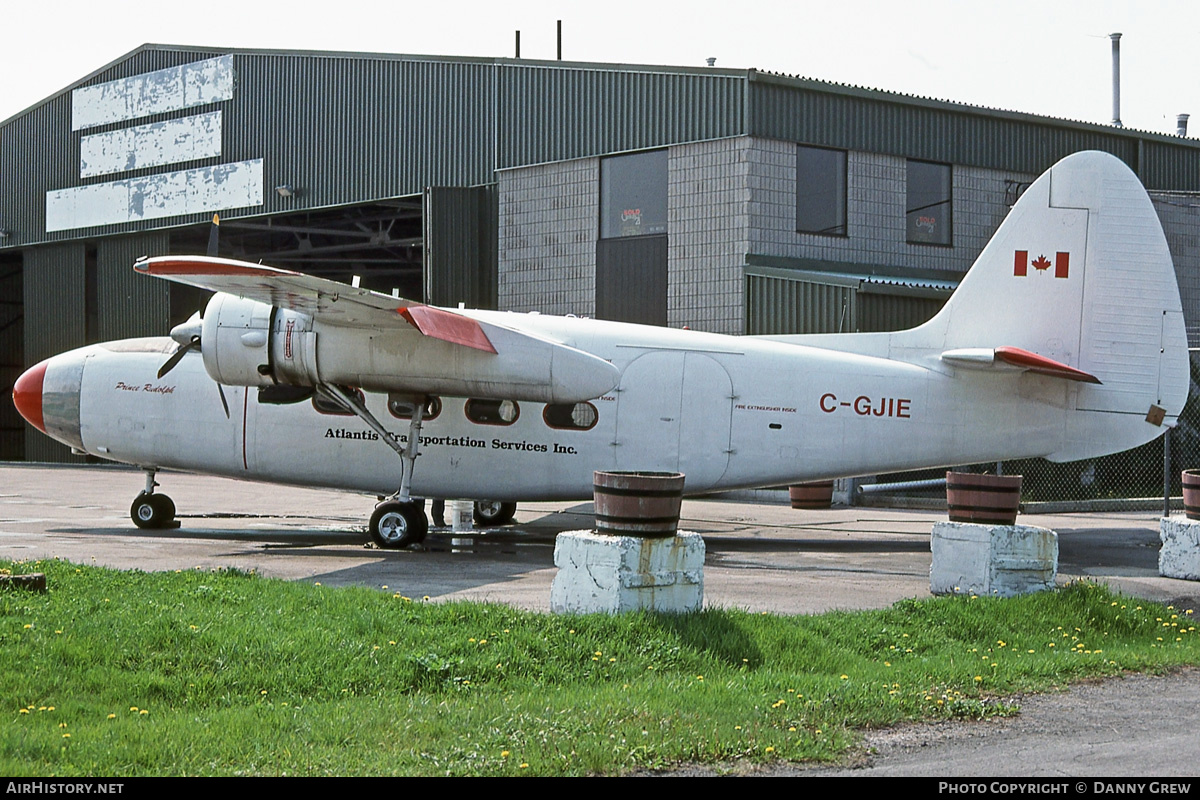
(1022, 263)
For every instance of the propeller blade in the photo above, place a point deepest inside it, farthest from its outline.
(178, 355)
(214, 236)
(224, 402)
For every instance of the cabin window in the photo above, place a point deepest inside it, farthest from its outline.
(633, 194)
(401, 407)
(820, 190)
(326, 406)
(571, 416)
(492, 412)
(928, 208)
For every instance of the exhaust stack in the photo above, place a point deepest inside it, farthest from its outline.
(1116, 77)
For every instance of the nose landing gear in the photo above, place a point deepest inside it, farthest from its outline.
(150, 510)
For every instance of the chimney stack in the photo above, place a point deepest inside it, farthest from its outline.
(1116, 78)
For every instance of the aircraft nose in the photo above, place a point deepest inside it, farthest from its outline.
(27, 395)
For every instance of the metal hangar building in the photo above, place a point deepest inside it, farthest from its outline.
(734, 201)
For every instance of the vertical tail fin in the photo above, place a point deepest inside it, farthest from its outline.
(1080, 273)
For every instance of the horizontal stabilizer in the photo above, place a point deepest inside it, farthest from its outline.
(1016, 358)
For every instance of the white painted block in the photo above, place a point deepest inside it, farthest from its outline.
(167, 194)
(153, 145)
(157, 92)
(1180, 553)
(995, 560)
(601, 573)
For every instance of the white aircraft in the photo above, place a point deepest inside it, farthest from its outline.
(1065, 340)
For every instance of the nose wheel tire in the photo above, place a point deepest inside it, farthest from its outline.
(494, 512)
(395, 525)
(152, 511)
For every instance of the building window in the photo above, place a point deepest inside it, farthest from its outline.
(928, 206)
(492, 412)
(633, 195)
(820, 190)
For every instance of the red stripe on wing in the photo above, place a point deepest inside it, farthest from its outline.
(1042, 365)
(447, 326)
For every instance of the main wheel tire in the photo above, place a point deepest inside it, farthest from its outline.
(152, 511)
(395, 525)
(494, 512)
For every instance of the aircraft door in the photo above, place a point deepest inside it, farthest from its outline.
(648, 406)
(704, 433)
(673, 414)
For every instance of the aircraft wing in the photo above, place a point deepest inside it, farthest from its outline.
(437, 350)
(331, 301)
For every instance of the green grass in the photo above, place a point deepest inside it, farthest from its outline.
(224, 673)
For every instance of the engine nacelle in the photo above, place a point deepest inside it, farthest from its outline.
(248, 343)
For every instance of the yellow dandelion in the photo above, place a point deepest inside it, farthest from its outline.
(66, 736)
(135, 708)
(524, 765)
(504, 754)
(770, 750)
(792, 729)
(23, 711)
(143, 712)
(845, 677)
(112, 716)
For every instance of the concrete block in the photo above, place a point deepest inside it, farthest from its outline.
(996, 560)
(1180, 553)
(613, 574)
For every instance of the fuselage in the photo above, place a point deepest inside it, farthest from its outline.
(726, 411)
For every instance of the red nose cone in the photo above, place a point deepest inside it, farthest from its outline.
(27, 395)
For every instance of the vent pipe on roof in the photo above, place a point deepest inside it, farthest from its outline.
(518, 55)
(560, 40)
(1116, 77)
(712, 61)
(1181, 124)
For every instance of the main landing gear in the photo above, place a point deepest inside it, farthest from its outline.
(396, 524)
(150, 510)
(399, 520)
(493, 512)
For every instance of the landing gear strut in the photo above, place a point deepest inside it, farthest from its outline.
(399, 520)
(150, 510)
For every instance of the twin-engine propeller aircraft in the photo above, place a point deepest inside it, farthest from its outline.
(1065, 340)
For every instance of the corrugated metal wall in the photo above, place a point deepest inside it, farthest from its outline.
(895, 312)
(551, 113)
(55, 321)
(778, 303)
(131, 304)
(800, 110)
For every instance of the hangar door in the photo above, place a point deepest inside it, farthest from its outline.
(460, 266)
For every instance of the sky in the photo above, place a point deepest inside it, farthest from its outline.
(1050, 57)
